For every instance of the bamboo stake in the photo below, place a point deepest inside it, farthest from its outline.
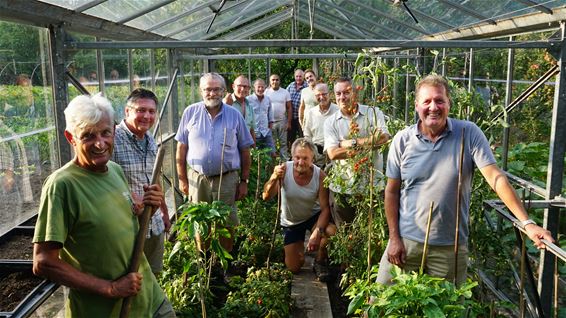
(142, 232)
(274, 232)
(458, 203)
(221, 164)
(425, 247)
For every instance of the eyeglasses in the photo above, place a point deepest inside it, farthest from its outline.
(321, 94)
(216, 90)
(275, 80)
(242, 86)
(142, 110)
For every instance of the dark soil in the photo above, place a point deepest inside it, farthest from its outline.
(17, 246)
(338, 302)
(15, 287)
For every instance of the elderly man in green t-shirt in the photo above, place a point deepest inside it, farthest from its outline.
(86, 229)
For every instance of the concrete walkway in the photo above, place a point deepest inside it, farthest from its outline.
(310, 295)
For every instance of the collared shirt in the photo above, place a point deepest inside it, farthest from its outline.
(314, 123)
(263, 114)
(247, 111)
(296, 97)
(137, 157)
(337, 128)
(428, 171)
(279, 99)
(205, 137)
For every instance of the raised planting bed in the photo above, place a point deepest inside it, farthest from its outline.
(21, 292)
(16, 244)
(30, 222)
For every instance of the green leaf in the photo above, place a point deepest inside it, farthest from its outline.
(356, 303)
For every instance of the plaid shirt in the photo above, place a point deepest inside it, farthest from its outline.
(295, 97)
(137, 157)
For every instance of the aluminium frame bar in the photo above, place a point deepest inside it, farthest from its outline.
(338, 43)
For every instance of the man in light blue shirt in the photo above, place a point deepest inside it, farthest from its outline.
(208, 129)
(263, 116)
(239, 100)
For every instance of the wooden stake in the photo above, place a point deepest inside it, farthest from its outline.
(425, 247)
(140, 239)
(458, 203)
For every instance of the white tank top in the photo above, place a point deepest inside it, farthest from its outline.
(299, 203)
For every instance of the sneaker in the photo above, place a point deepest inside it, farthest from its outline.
(321, 271)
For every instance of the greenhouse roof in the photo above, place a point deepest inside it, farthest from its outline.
(197, 20)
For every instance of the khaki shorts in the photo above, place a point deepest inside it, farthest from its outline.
(205, 189)
(439, 262)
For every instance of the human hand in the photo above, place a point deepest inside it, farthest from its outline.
(279, 171)
(314, 241)
(126, 286)
(241, 191)
(152, 195)
(138, 203)
(166, 221)
(184, 185)
(536, 233)
(396, 253)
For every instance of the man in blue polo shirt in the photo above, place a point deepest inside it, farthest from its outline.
(422, 166)
(203, 130)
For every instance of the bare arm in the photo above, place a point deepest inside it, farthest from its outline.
(181, 159)
(345, 146)
(246, 162)
(500, 184)
(46, 263)
(302, 112)
(272, 185)
(289, 114)
(396, 249)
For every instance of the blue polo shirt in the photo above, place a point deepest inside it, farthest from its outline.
(429, 172)
(204, 137)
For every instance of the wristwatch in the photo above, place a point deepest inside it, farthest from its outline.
(354, 142)
(527, 222)
(321, 230)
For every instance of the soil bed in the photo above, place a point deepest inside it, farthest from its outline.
(16, 246)
(14, 287)
(338, 302)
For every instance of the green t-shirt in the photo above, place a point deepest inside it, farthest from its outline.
(91, 215)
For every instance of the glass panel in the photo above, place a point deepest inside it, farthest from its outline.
(165, 12)
(27, 135)
(115, 10)
(69, 4)
(229, 18)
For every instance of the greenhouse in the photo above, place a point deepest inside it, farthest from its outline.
(428, 134)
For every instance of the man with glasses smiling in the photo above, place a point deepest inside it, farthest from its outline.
(213, 141)
(239, 100)
(314, 121)
(135, 151)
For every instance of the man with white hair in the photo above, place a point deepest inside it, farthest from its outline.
(315, 118)
(214, 142)
(87, 225)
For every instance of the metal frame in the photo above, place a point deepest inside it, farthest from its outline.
(537, 6)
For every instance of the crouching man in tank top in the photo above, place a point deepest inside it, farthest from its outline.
(304, 206)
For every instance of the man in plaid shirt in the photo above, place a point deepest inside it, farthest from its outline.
(295, 89)
(135, 151)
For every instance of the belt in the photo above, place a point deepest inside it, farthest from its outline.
(223, 174)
